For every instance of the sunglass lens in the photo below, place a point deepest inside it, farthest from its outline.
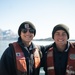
(24, 30)
(31, 30)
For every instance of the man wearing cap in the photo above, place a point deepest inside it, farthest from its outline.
(22, 57)
(60, 57)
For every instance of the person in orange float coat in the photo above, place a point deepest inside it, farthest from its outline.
(22, 57)
(60, 57)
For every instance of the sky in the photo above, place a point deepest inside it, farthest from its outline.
(44, 14)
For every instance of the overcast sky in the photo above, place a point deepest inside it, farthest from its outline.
(44, 14)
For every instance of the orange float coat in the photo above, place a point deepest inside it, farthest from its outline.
(21, 60)
(70, 68)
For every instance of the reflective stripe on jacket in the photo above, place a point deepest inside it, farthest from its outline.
(21, 60)
(70, 69)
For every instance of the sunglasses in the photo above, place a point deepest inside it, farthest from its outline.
(30, 30)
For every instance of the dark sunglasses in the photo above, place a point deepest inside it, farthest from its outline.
(30, 30)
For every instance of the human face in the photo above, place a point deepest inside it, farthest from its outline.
(60, 38)
(27, 35)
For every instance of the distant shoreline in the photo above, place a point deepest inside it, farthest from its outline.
(33, 39)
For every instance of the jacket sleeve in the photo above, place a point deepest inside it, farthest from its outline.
(44, 50)
(7, 66)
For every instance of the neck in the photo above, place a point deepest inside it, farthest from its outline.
(27, 44)
(61, 48)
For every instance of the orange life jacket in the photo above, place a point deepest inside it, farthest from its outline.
(70, 69)
(21, 60)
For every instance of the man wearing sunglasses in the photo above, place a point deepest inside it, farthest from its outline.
(22, 57)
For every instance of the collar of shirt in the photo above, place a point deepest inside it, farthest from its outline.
(31, 47)
(68, 45)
